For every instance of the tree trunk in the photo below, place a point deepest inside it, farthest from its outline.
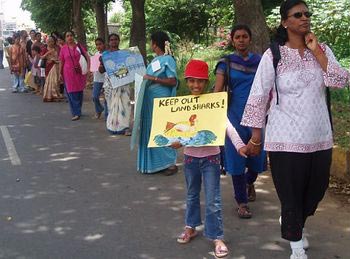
(78, 23)
(250, 12)
(99, 7)
(138, 26)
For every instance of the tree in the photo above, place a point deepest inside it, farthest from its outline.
(48, 15)
(251, 12)
(102, 30)
(138, 26)
(78, 23)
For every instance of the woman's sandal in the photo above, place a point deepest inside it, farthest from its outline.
(187, 235)
(98, 115)
(170, 170)
(243, 212)
(220, 250)
(127, 133)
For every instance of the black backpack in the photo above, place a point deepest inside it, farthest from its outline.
(276, 54)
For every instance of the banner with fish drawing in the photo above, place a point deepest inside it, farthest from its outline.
(191, 120)
(122, 65)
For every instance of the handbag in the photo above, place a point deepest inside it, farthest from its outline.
(82, 61)
(77, 68)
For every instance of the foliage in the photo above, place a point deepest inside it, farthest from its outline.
(194, 20)
(330, 22)
(48, 15)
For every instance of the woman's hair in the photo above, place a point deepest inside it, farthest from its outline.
(54, 38)
(16, 36)
(239, 27)
(32, 31)
(37, 33)
(10, 40)
(36, 48)
(113, 35)
(55, 34)
(60, 37)
(281, 36)
(159, 38)
(69, 31)
(100, 39)
(23, 33)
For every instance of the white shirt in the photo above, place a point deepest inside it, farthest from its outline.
(300, 123)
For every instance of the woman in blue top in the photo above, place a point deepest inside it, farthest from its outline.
(242, 67)
(161, 82)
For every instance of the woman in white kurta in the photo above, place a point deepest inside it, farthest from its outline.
(298, 131)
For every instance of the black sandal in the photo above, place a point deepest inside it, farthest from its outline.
(170, 170)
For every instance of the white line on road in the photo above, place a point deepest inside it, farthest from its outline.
(11, 150)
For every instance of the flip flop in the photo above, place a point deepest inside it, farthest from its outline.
(185, 237)
(221, 250)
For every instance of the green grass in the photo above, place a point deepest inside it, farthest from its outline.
(341, 117)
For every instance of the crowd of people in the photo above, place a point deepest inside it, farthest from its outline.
(277, 104)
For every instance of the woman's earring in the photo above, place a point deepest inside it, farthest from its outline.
(286, 27)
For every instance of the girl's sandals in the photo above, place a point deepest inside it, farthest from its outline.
(251, 192)
(220, 249)
(243, 212)
(187, 235)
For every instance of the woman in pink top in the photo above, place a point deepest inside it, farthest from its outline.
(71, 72)
(202, 164)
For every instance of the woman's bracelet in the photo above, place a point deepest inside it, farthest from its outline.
(253, 143)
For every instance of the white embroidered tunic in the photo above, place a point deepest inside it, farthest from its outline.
(300, 122)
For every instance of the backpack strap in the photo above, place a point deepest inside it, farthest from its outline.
(227, 74)
(276, 54)
(328, 101)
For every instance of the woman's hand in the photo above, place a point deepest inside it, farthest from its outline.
(243, 152)
(253, 147)
(148, 77)
(176, 145)
(311, 42)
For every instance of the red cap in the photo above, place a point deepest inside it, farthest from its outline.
(197, 69)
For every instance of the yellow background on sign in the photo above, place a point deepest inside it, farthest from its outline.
(185, 116)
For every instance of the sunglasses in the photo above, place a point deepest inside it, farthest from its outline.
(298, 15)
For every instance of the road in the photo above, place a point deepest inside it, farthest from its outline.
(71, 190)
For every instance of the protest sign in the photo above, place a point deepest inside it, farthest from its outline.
(191, 120)
(122, 65)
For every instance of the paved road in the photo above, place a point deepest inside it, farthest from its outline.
(76, 194)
